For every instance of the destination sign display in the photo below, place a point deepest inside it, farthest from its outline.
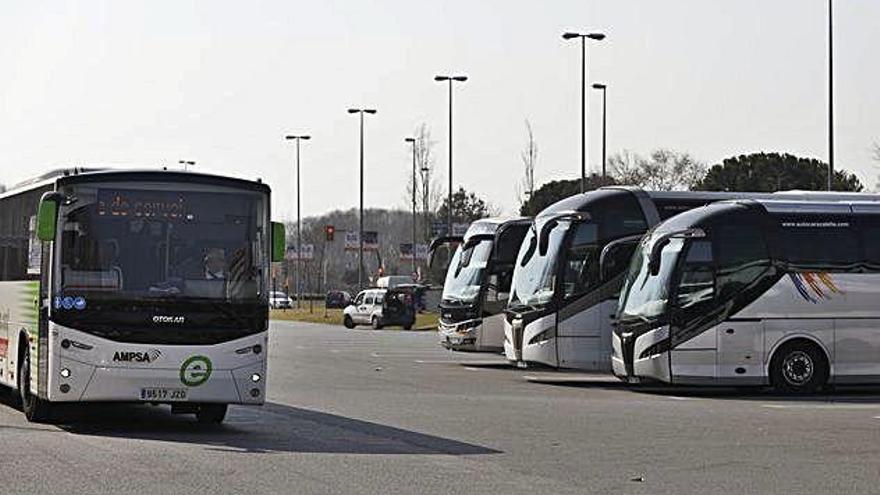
(142, 204)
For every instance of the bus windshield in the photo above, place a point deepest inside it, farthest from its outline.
(534, 276)
(645, 296)
(126, 243)
(466, 272)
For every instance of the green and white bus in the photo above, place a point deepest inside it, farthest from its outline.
(136, 286)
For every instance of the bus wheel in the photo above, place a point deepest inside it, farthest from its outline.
(376, 323)
(348, 322)
(213, 414)
(36, 410)
(799, 367)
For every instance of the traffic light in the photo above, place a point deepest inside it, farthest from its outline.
(329, 230)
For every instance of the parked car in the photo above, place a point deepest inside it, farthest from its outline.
(337, 299)
(380, 308)
(279, 300)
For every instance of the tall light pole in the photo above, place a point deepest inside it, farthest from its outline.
(604, 88)
(583, 38)
(361, 112)
(450, 80)
(830, 95)
(186, 163)
(298, 265)
(412, 141)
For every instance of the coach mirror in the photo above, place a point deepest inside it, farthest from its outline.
(47, 216)
(278, 241)
(616, 255)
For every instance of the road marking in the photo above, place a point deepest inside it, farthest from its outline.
(675, 397)
(471, 368)
(821, 406)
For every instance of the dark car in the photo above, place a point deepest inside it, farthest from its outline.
(337, 299)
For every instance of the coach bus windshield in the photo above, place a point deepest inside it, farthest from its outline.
(645, 296)
(464, 280)
(534, 276)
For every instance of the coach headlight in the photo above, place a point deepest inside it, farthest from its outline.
(256, 377)
(65, 373)
(468, 326)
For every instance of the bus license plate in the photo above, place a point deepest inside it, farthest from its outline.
(163, 394)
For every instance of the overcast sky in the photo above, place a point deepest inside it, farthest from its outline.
(147, 83)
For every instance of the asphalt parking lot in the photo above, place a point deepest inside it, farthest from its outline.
(363, 411)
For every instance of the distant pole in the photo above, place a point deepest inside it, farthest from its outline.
(604, 89)
(583, 38)
(361, 112)
(830, 95)
(450, 80)
(412, 141)
(298, 263)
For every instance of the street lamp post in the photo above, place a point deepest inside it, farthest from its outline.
(604, 89)
(450, 80)
(412, 141)
(186, 163)
(583, 38)
(361, 112)
(830, 95)
(298, 265)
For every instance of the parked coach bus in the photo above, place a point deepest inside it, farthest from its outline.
(136, 286)
(478, 284)
(561, 306)
(754, 293)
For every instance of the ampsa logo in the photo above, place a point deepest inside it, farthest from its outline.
(136, 356)
(169, 319)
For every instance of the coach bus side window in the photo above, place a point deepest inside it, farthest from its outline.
(581, 261)
(871, 243)
(741, 257)
(697, 283)
(820, 248)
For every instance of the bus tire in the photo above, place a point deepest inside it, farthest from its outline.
(211, 414)
(799, 367)
(377, 325)
(35, 409)
(408, 327)
(348, 322)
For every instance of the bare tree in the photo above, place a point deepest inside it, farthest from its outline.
(428, 193)
(529, 157)
(665, 170)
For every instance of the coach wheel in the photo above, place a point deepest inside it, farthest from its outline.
(211, 413)
(348, 322)
(35, 409)
(799, 368)
(376, 323)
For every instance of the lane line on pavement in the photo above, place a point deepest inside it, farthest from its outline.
(821, 406)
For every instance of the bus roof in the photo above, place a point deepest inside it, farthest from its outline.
(490, 226)
(84, 174)
(582, 201)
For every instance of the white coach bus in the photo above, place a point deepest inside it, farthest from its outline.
(779, 293)
(477, 284)
(135, 286)
(562, 305)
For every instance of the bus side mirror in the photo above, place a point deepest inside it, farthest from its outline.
(654, 260)
(544, 236)
(47, 216)
(278, 241)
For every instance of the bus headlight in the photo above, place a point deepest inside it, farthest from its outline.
(65, 372)
(256, 377)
